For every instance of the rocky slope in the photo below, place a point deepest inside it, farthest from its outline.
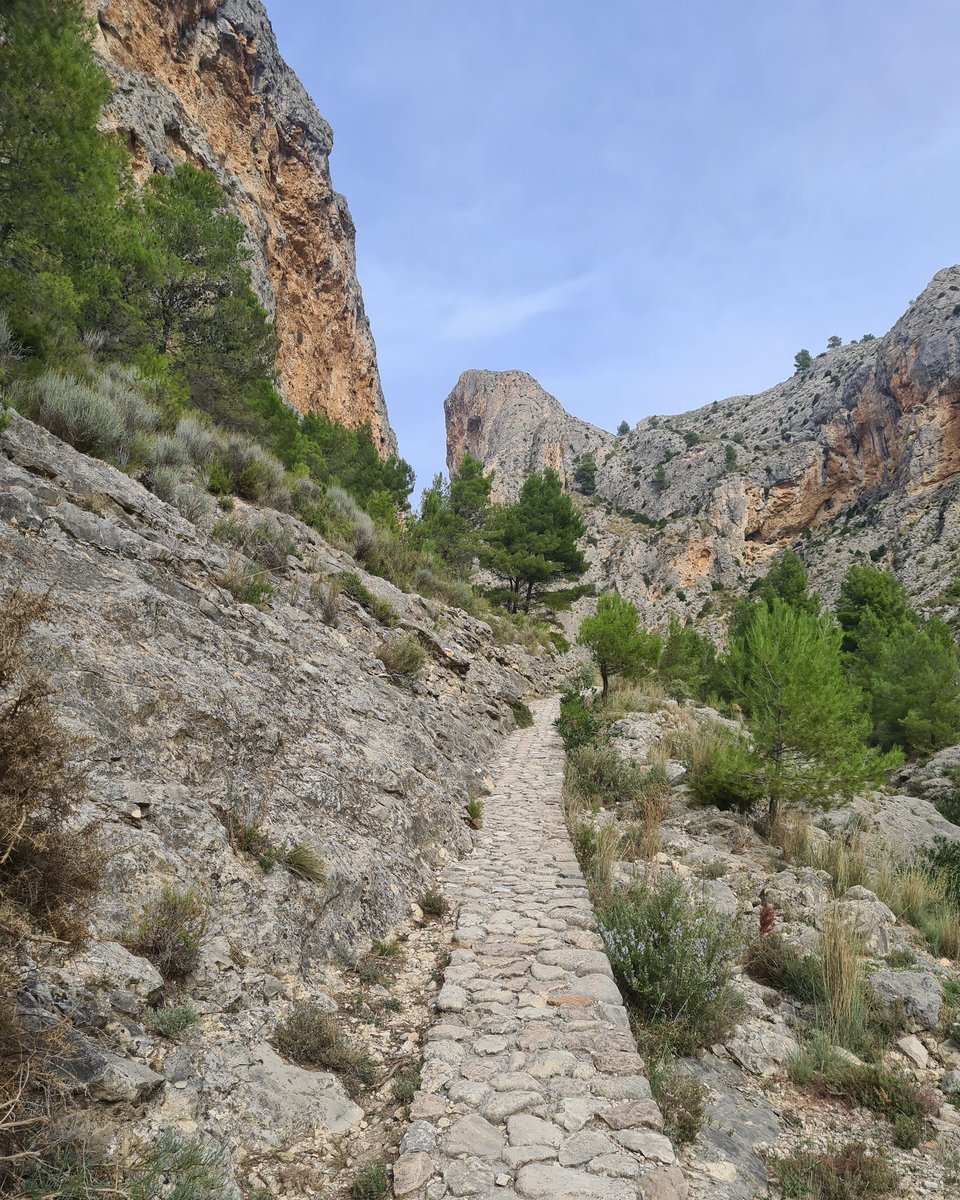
(197, 712)
(859, 456)
(203, 82)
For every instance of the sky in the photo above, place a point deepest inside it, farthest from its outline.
(647, 206)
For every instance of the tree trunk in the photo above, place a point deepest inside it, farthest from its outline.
(604, 675)
(773, 814)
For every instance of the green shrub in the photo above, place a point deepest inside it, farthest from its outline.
(433, 903)
(170, 931)
(521, 714)
(371, 1183)
(246, 582)
(313, 1038)
(600, 776)
(246, 469)
(302, 859)
(164, 481)
(403, 656)
(774, 963)
(674, 959)
(723, 773)
(850, 1172)
(192, 503)
(576, 724)
(175, 1019)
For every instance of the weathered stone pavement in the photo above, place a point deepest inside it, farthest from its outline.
(532, 1086)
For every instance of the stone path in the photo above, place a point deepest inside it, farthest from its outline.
(532, 1086)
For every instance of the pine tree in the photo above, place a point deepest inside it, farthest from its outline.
(622, 428)
(585, 475)
(532, 542)
(618, 643)
(807, 722)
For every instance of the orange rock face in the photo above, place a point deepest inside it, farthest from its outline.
(203, 81)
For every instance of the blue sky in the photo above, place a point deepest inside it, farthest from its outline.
(648, 206)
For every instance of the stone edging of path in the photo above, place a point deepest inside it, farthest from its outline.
(531, 1086)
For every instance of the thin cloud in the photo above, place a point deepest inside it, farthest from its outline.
(493, 316)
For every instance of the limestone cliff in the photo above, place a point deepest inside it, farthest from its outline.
(203, 82)
(858, 456)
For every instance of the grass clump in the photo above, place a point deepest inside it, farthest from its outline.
(77, 1168)
(303, 859)
(404, 657)
(355, 589)
(313, 1038)
(434, 904)
(246, 582)
(849, 1172)
(371, 1183)
(774, 963)
(674, 959)
(170, 931)
(325, 598)
(521, 714)
(475, 812)
(886, 1091)
(682, 1099)
(175, 1019)
(405, 1083)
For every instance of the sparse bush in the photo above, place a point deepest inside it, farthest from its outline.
(682, 1099)
(71, 410)
(170, 932)
(175, 1019)
(200, 443)
(403, 656)
(164, 481)
(169, 450)
(303, 859)
(776, 964)
(325, 597)
(78, 1168)
(313, 1038)
(192, 503)
(433, 904)
(245, 468)
(597, 849)
(269, 544)
(246, 582)
(50, 869)
(850, 1172)
(674, 959)
(361, 536)
(884, 1090)
(521, 714)
(475, 812)
(371, 1183)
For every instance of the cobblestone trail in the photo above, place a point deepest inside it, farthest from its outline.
(532, 1086)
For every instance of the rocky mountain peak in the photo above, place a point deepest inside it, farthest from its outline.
(508, 421)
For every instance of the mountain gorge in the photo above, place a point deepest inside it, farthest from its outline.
(856, 457)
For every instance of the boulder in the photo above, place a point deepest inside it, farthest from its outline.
(917, 995)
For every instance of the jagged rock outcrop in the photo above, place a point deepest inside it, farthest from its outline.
(514, 427)
(203, 717)
(858, 456)
(203, 82)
